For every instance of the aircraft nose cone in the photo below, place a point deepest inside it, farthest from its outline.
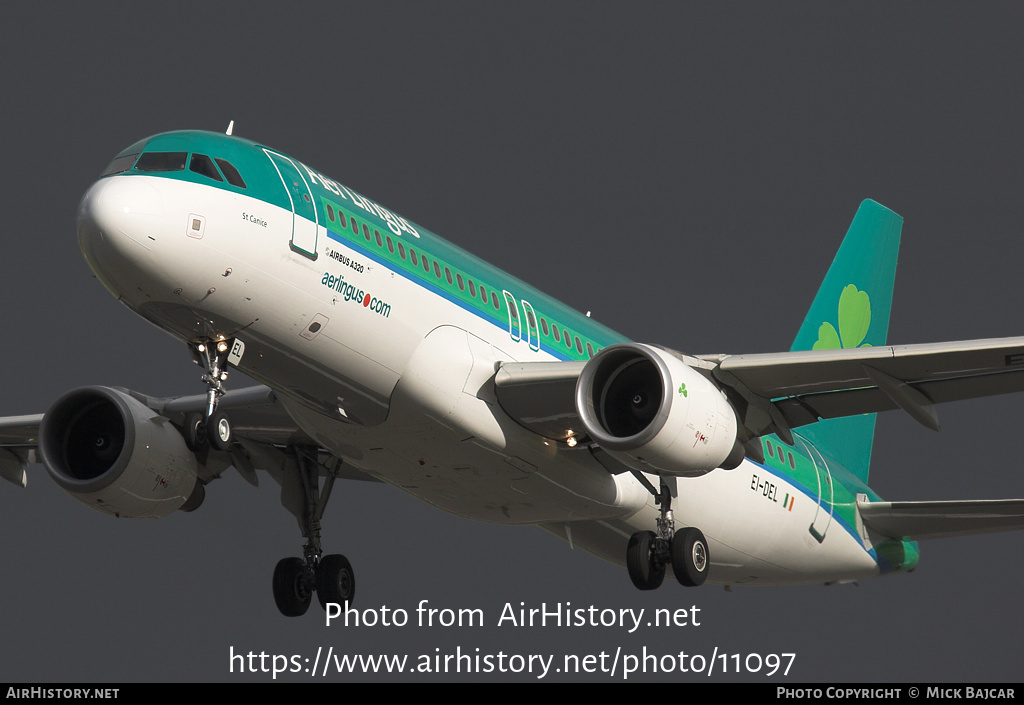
(115, 220)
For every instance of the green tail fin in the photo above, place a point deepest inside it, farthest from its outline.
(851, 310)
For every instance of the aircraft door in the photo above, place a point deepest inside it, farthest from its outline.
(304, 219)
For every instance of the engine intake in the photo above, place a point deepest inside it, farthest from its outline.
(655, 413)
(113, 453)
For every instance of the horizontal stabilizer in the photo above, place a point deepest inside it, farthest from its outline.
(932, 520)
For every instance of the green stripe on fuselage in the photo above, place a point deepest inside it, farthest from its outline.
(388, 247)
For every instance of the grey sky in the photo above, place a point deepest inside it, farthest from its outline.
(685, 171)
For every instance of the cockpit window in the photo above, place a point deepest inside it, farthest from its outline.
(122, 163)
(202, 164)
(161, 161)
(230, 173)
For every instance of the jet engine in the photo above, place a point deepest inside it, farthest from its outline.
(655, 413)
(113, 453)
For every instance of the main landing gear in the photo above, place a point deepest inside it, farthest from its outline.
(296, 579)
(649, 553)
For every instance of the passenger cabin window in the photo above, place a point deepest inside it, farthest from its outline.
(120, 164)
(203, 165)
(162, 161)
(230, 172)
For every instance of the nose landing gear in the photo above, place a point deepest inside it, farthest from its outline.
(212, 356)
(213, 427)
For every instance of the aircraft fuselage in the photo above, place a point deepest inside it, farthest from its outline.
(382, 341)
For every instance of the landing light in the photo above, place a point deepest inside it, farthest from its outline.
(222, 346)
(570, 438)
(201, 347)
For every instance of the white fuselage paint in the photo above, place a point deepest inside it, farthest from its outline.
(416, 378)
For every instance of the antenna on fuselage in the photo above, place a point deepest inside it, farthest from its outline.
(231, 126)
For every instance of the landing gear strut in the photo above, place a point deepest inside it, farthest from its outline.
(331, 577)
(648, 553)
(212, 356)
(213, 427)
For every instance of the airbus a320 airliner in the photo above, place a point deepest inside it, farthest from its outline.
(385, 353)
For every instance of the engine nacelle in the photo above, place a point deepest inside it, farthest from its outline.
(655, 413)
(113, 453)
